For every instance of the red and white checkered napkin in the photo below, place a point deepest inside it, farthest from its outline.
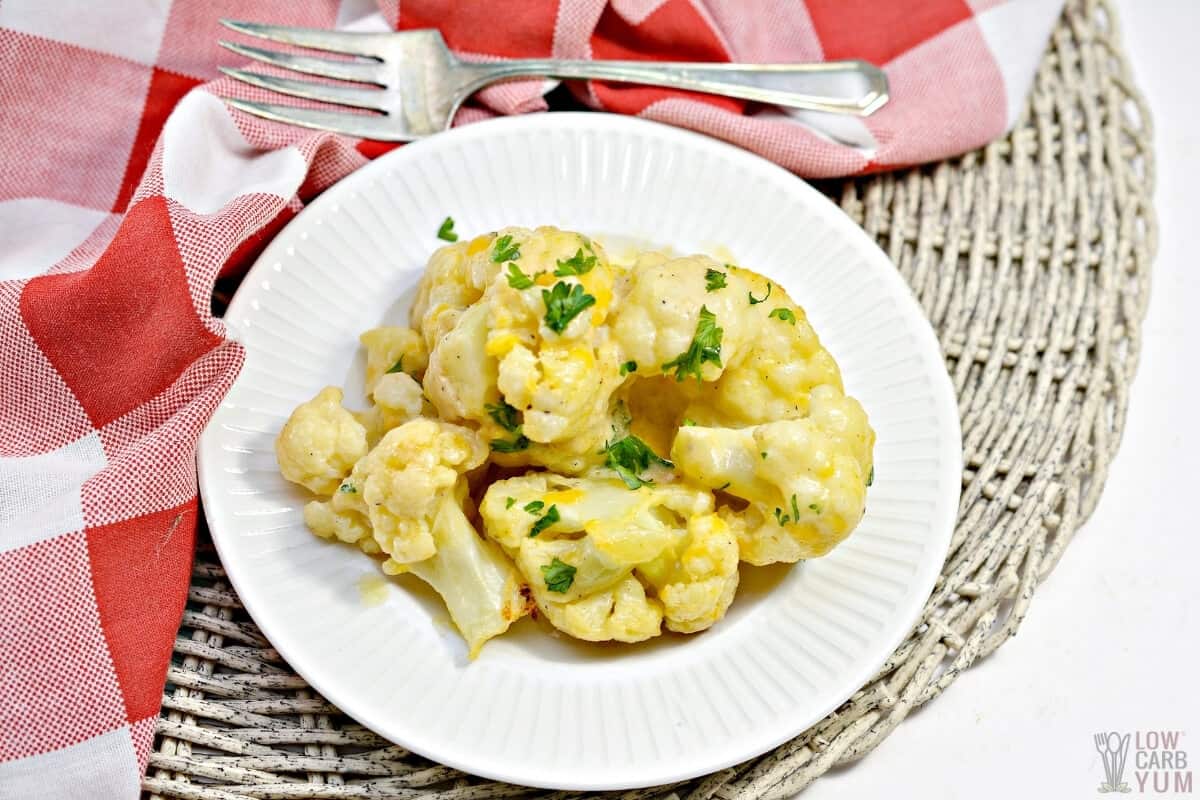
(127, 187)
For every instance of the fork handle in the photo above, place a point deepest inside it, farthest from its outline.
(844, 87)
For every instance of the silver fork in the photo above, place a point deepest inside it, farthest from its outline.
(415, 84)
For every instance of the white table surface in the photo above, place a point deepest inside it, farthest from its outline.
(1111, 640)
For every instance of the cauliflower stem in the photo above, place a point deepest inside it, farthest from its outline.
(483, 592)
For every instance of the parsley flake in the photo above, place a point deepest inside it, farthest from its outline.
(505, 416)
(563, 303)
(688, 422)
(755, 301)
(516, 445)
(506, 250)
(815, 507)
(629, 457)
(705, 348)
(347, 488)
(783, 315)
(713, 280)
(780, 518)
(796, 509)
(558, 576)
(551, 516)
(764, 455)
(628, 367)
(446, 232)
(518, 279)
(534, 506)
(578, 264)
(871, 477)
(397, 367)
(509, 502)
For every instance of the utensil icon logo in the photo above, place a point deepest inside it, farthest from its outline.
(1113, 749)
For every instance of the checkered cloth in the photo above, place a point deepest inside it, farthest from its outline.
(127, 188)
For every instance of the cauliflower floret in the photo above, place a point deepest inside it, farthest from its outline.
(671, 318)
(592, 570)
(561, 397)
(482, 590)
(457, 275)
(775, 376)
(454, 279)
(565, 393)
(598, 530)
(392, 350)
(398, 398)
(400, 395)
(461, 379)
(697, 578)
(769, 357)
(628, 526)
(804, 477)
(401, 482)
(555, 366)
(320, 443)
(761, 539)
(533, 369)
(338, 519)
(622, 613)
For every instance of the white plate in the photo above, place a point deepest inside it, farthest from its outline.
(536, 709)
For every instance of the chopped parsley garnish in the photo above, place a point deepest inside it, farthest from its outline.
(397, 367)
(784, 519)
(505, 416)
(534, 506)
(755, 301)
(764, 455)
(563, 303)
(871, 477)
(705, 348)
(628, 367)
(516, 445)
(714, 279)
(347, 488)
(446, 232)
(506, 250)
(509, 502)
(518, 279)
(629, 457)
(783, 315)
(578, 264)
(688, 422)
(815, 507)
(558, 576)
(551, 516)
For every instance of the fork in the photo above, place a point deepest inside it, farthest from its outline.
(1101, 740)
(414, 84)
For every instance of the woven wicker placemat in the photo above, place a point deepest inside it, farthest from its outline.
(1031, 257)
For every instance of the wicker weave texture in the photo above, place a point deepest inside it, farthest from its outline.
(1031, 257)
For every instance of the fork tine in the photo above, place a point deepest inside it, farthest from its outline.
(328, 93)
(361, 71)
(364, 126)
(354, 44)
